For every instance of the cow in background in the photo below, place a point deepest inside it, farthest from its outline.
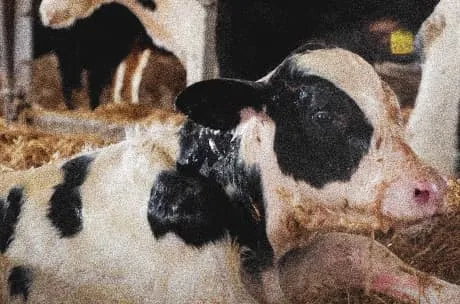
(253, 36)
(97, 44)
(433, 127)
(180, 27)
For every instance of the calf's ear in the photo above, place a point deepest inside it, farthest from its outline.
(217, 103)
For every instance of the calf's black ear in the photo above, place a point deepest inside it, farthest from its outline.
(217, 103)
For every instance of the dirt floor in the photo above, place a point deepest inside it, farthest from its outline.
(435, 250)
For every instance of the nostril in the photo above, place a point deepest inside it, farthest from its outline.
(422, 196)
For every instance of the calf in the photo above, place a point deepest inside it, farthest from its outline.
(433, 124)
(203, 209)
(98, 44)
(180, 27)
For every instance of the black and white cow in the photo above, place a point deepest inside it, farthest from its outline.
(433, 124)
(180, 27)
(203, 210)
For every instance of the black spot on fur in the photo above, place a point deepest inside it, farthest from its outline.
(150, 4)
(214, 155)
(9, 213)
(321, 133)
(191, 206)
(199, 211)
(65, 204)
(75, 171)
(20, 280)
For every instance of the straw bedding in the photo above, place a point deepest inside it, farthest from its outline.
(435, 249)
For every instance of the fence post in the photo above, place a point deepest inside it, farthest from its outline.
(16, 54)
(6, 55)
(23, 49)
(211, 69)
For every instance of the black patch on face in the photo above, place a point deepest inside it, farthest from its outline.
(321, 133)
(65, 204)
(20, 280)
(9, 214)
(150, 4)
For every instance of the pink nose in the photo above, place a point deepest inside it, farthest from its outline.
(426, 192)
(413, 200)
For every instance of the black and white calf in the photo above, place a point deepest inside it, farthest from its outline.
(433, 126)
(203, 210)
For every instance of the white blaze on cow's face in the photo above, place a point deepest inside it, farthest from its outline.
(432, 127)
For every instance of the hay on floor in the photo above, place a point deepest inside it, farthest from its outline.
(22, 147)
(435, 249)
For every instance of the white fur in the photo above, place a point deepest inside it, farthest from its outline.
(432, 126)
(119, 76)
(136, 81)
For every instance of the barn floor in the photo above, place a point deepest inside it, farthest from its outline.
(435, 250)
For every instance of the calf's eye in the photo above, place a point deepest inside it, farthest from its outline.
(322, 118)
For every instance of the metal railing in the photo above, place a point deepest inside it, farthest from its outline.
(16, 54)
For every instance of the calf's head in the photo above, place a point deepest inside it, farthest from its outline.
(325, 135)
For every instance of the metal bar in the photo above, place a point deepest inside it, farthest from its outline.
(7, 60)
(16, 54)
(23, 48)
(211, 69)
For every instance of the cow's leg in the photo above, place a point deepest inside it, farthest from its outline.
(97, 79)
(137, 78)
(132, 75)
(118, 82)
(70, 70)
(345, 261)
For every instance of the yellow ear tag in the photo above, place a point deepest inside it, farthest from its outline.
(402, 42)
